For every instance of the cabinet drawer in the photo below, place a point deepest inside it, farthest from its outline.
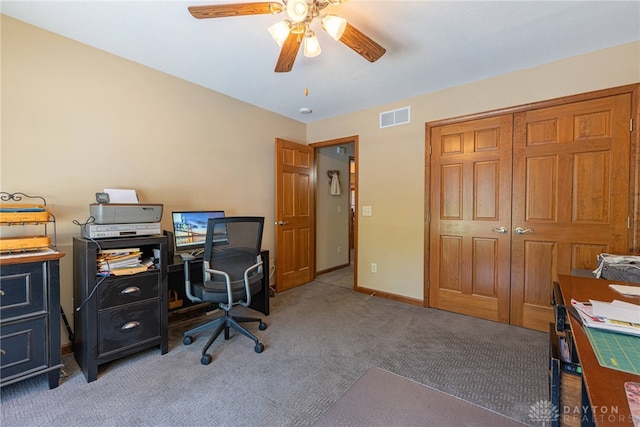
(22, 290)
(127, 326)
(23, 347)
(128, 289)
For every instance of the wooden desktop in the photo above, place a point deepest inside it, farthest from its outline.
(604, 386)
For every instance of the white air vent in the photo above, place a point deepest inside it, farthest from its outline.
(397, 117)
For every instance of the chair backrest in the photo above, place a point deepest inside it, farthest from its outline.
(232, 245)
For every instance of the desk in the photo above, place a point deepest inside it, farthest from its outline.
(259, 301)
(604, 386)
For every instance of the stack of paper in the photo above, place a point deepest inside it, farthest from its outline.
(615, 316)
(121, 261)
(627, 290)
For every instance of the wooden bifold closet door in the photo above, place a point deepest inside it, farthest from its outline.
(517, 199)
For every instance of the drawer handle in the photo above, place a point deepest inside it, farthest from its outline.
(2, 352)
(1, 293)
(130, 290)
(130, 325)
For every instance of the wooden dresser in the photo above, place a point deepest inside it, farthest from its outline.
(30, 317)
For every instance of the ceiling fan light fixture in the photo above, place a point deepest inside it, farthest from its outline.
(280, 32)
(311, 45)
(299, 28)
(334, 26)
(275, 8)
(297, 10)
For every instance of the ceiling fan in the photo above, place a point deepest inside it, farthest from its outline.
(295, 29)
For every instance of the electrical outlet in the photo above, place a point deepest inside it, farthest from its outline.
(367, 211)
(374, 267)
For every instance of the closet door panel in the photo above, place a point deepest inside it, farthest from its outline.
(471, 193)
(570, 197)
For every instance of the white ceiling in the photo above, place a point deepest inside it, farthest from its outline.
(431, 45)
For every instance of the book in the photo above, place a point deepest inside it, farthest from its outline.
(122, 260)
(589, 319)
(632, 390)
(626, 290)
(119, 250)
(124, 271)
(616, 310)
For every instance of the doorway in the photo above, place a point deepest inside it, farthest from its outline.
(336, 222)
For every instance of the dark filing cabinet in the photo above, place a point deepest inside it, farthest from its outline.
(30, 318)
(116, 316)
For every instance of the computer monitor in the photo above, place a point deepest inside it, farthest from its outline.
(190, 230)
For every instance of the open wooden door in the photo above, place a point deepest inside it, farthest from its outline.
(295, 214)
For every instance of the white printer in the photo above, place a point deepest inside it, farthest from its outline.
(123, 220)
(125, 213)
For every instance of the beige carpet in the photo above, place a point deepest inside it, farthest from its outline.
(342, 277)
(381, 398)
(320, 340)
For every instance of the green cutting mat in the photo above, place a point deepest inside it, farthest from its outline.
(616, 351)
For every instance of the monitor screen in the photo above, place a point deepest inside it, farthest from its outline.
(190, 229)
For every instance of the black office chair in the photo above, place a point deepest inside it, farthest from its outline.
(232, 272)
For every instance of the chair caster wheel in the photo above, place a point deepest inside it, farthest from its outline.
(259, 347)
(188, 339)
(206, 359)
(262, 326)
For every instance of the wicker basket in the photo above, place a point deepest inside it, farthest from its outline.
(27, 214)
(24, 243)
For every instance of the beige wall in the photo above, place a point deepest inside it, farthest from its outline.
(76, 120)
(391, 161)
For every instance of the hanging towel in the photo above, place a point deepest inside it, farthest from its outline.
(335, 185)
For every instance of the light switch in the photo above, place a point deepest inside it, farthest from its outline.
(367, 211)
(339, 209)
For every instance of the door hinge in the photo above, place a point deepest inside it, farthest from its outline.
(429, 217)
(628, 223)
(630, 125)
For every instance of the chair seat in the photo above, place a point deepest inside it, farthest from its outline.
(216, 292)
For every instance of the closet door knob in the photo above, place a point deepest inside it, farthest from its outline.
(520, 230)
(501, 230)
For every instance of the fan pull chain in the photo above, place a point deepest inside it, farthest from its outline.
(306, 82)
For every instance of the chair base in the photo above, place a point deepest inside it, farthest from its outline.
(224, 323)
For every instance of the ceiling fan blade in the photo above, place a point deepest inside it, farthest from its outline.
(362, 44)
(288, 53)
(237, 9)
